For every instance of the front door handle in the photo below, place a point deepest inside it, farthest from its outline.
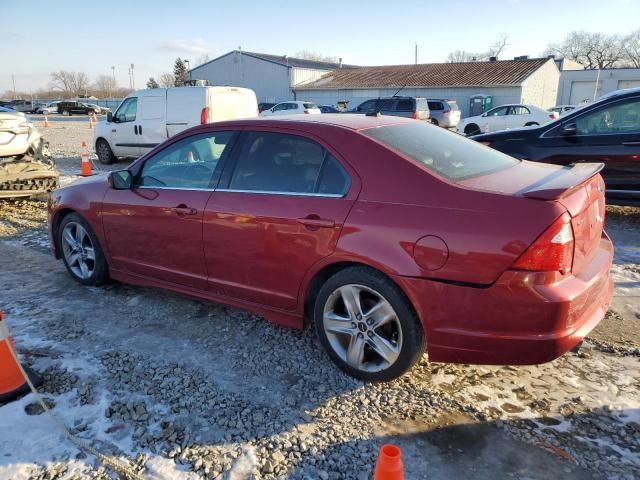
(139, 129)
(182, 209)
(631, 144)
(315, 222)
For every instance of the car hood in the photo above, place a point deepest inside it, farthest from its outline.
(94, 181)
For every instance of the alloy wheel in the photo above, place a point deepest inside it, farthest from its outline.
(78, 250)
(362, 328)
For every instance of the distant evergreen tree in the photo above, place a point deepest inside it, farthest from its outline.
(151, 83)
(180, 73)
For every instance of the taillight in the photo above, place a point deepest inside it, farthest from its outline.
(554, 115)
(415, 115)
(204, 116)
(552, 251)
(306, 111)
(446, 112)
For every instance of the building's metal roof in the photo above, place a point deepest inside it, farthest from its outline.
(466, 74)
(284, 60)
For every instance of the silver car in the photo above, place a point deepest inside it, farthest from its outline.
(444, 113)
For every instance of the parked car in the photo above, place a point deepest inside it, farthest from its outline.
(291, 108)
(562, 109)
(296, 217)
(10, 110)
(265, 106)
(504, 117)
(148, 117)
(49, 108)
(410, 107)
(71, 107)
(328, 109)
(607, 130)
(444, 113)
(25, 106)
(98, 109)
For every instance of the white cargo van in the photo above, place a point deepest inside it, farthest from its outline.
(148, 117)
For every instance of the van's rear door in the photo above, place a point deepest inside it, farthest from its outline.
(184, 108)
(231, 103)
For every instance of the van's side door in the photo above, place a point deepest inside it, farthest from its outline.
(152, 128)
(124, 129)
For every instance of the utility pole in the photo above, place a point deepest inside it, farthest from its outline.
(416, 54)
(13, 80)
(133, 79)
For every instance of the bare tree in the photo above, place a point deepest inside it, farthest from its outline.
(495, 50)
(593, 50)
(104, 86)
(81, 83)
(309, 55)
(70, 83)
(166, 80)
(631, 49)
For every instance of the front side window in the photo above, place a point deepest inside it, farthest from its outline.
(127, 110)
(497, 112)
(449, 155)
(280, 106)
(367, 106)
(623, 117)
(189, 163)
(275, 162)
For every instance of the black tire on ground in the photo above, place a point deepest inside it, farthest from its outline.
(472, 129)
(413, 340)
(434, 122)
(103, 150)
(100, 273)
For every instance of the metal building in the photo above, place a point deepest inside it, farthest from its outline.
(583, 86)
(272, 77)
(522, 80)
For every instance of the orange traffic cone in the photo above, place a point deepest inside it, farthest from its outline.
(12, 382)
(46, 120)
(85, 166)
(90, 121)
(389, 464)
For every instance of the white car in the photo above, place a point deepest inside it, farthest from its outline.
(291, 108)
(49, 108)
(505, 117)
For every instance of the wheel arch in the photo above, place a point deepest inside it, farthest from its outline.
(56, 221)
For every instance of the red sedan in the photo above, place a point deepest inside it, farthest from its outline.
(390, 234)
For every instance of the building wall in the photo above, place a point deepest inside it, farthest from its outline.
(461, 95)
(269, 80)
(579, 85)
(541, 87)
(305, 75)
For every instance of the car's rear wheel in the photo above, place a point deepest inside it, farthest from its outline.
(367, 326)
(103, 150)
(531, 124)
(472, 129)
(434, 122)
(81, 251)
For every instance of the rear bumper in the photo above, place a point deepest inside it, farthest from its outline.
(522, 319)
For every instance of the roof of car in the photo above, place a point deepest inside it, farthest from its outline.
(344, 120)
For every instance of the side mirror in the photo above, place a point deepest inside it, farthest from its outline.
(109, 117)
(121, 180)
(569, 130)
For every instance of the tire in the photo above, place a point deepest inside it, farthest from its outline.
(472, 129)
(346, 333)
(434, 122)
(531, 124)
(78, 243)
(104, 152)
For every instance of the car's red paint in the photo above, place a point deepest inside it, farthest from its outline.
(449, 246)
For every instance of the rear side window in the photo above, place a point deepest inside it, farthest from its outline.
(309, 105)
(404, 106)
(436, 106)
(447, 154)
(282, 163)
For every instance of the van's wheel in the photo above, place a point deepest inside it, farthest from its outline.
(472, 129)
(103, 150)
(367, 326)
(81, 251)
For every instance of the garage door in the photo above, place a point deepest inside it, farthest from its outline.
(628, 84)
(583, 91)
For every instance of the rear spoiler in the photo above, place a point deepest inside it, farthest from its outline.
(562, 182)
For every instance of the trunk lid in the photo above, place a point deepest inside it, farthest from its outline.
(579, 188)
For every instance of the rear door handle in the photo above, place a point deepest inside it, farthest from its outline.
(631, 143)
(139, 129)
(184, 210)
(316, 222)
(135, 129)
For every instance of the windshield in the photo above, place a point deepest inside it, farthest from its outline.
(447, 154)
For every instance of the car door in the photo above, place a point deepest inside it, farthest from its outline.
(518, 116)
(609, 134)
(279, 209)
(495, 119)
(281, 109)
(154, 229)
(124, 130)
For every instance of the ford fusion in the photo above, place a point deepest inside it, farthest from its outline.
(392, 236)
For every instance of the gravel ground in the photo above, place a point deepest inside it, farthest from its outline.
(189, 389)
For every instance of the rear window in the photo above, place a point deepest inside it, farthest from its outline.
(453, 106)
(447, 154)
(309, 105)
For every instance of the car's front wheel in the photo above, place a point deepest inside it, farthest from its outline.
(81, 251)
(367, 326)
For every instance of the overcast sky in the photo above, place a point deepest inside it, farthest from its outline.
(38, 37)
